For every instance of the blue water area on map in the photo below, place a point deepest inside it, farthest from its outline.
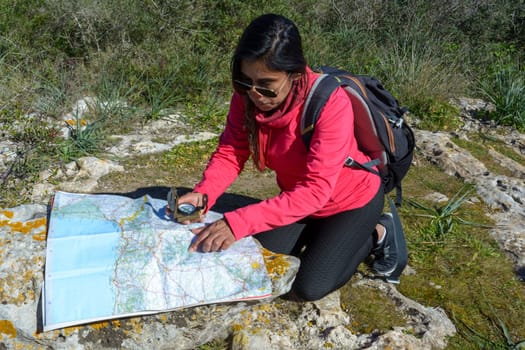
(75, 226)
(77, 299)
(83, 262)
(83, 252)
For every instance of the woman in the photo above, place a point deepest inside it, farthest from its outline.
(325, 213)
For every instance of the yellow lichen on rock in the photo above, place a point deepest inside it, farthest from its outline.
(136, 325)
(276, 264)
(7, 213)
(68, 331)
(23, 227)
(241, 339)
(257, 318)
(236, 327)
(7, 328)
(99, 325)
(40, 236)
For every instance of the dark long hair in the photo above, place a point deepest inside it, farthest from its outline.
(275, 40)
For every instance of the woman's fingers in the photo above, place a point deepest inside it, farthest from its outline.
(212, 238)
(202, 234)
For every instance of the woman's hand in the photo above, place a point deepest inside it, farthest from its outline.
(214, 237)
(194, 198)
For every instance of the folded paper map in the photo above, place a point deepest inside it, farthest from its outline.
(110, 256)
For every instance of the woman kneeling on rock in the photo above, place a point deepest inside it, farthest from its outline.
(325, 214)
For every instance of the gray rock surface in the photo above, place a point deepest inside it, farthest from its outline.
(505, 195)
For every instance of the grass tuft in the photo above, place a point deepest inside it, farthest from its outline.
(444, 218)
(506, 90)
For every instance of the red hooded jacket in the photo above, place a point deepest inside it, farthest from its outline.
(313, 182)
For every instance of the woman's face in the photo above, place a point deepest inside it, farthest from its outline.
(256, 73)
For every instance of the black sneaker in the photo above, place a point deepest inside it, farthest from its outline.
(390, 257)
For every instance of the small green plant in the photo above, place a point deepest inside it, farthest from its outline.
(82, 141)
(35, 138)
(160, 97)
(214, 345)
(110, 108)
(53, 94)
(208, 115)
(439, 115)
(444, 218)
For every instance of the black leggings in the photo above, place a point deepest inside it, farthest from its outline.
(330, 249)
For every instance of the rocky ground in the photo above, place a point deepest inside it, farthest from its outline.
(274, 324)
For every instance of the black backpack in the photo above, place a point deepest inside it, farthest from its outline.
(379, 128)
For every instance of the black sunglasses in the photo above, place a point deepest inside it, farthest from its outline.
(243, 87)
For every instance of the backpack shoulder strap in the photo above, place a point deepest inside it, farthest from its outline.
(323, 87)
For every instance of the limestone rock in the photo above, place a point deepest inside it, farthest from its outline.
(502, 193)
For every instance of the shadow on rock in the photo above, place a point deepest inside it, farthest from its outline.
(226, 202)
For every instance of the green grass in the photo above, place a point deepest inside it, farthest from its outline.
(370, 310)
(504, 340)
(465, 270)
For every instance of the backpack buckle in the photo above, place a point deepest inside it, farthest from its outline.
(399, 122)
(349, 162)
(396, 121)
